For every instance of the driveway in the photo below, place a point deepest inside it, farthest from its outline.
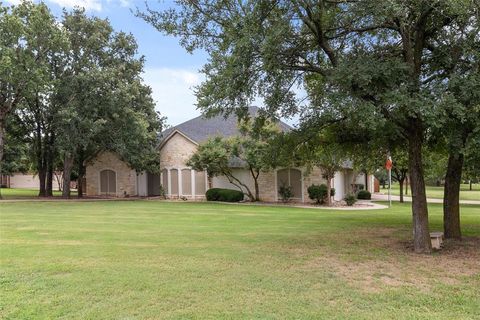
(384, 197)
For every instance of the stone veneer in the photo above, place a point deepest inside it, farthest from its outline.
(313, 177)
(126, 176)
(176, 151)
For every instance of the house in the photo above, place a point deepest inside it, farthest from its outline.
(107, 174)
(28, 180)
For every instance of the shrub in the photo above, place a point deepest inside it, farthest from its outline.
(162, 192)
(350, 199)
(319, 192)
(364, 195)
(226, 195)
(286, 193)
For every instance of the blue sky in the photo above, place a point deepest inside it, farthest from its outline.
(169, 69)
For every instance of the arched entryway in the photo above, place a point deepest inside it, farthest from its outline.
(108, 182)
(292, 178)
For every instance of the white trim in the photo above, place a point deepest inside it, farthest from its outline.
(172, 134)
(206, 180)
(169, 182)
(180, 182)
(192, 182)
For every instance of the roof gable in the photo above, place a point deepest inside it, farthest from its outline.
(200, 129)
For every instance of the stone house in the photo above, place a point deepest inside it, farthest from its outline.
(108, 175)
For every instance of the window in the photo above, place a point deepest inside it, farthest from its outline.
(187, 182)
(165, 180)
(174, 182)
(200, 183)
(108, 182)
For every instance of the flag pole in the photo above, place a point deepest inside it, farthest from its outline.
(388, 166)
(389, 187)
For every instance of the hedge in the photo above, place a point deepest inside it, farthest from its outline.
(364, 195)
(226, 195)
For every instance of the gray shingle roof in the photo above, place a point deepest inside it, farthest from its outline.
(200, 129)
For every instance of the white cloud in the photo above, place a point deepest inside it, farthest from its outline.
(172, 90)
(15, 2)
(94, 5)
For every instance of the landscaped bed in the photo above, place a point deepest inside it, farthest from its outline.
(157, 260)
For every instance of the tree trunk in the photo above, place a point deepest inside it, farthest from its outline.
(255, 173)
(366, 179)
(257, 191)
(470, 182)
(329, 191)
(49, 160)
(40, 155)
(406, 185)
(81, 174)
(42, 176)
(67, 171)
(49, 184)
(400, 182)
(421, 242)
(451, 197)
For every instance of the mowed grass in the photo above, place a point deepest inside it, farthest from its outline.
(175, 260)
(13, 193)
(437, 192)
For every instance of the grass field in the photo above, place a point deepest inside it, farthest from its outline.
(9, 194)
(164, 260)
(437, 192)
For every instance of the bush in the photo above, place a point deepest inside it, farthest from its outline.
(350, 199)
(319, 192)
(364, 195)
(226, 195)
(286, 193)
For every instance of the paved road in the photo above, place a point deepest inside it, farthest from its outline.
(384, 197)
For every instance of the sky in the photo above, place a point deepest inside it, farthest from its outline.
(170, 71)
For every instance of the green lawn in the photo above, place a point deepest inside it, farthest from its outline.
(8, 193)
(437, 192)
(164, 260)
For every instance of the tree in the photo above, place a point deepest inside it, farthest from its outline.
(77, 89)
(472, 160)
(28, 37)
(104, 104)
(400, 170)
(215, 156)
(250, 150)
(376, 55)
(463, 109)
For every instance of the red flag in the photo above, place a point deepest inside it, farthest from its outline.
(389, 164)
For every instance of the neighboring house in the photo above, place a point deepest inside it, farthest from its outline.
(20, 180)
(107, 174)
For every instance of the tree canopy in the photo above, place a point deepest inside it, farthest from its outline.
(373, 63)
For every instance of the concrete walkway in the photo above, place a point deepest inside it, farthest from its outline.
(359, 205)
(384, 197)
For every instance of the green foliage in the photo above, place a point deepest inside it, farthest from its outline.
(225, 195)
(378, 66)
(218, 156)
(76, 85)
(364, 195)
(319, 193)
(350, 199)
(285, 192)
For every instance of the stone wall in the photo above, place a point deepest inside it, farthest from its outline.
(126, 177)
(313, 177)
(176, 152)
